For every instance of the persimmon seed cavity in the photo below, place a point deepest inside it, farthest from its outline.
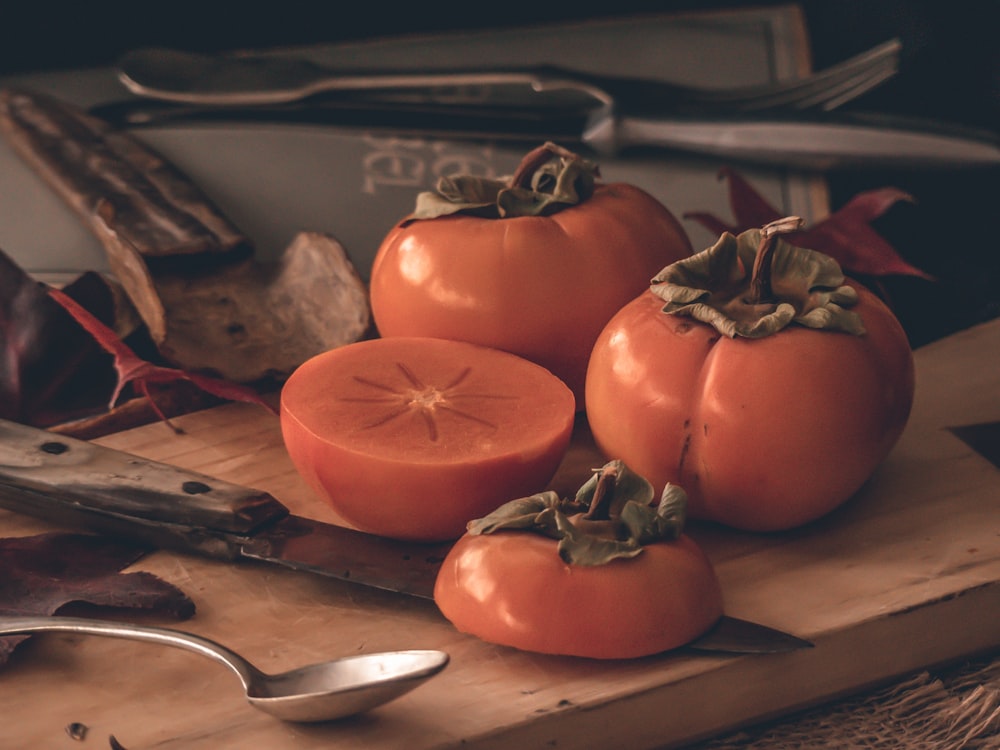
(427, 398)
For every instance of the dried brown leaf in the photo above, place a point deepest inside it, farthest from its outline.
(41, 574)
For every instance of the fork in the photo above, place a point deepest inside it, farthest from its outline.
(252, 80)
(788, 123)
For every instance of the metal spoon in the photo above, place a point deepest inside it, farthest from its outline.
(318, 692)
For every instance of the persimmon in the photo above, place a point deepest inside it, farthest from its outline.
(758, 377)
(605, 575)
(534, 265)
(411, 438)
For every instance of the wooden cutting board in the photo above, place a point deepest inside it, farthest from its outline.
(905, 576)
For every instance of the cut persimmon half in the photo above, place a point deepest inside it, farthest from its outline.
(411, 438)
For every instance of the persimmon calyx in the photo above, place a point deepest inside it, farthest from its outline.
(755, 284)
(549, 179)
(611, 517)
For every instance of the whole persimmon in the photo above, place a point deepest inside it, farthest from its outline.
(534, 265)
(605, 575)
(758, 377)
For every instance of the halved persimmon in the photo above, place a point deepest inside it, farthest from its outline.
(411, 438)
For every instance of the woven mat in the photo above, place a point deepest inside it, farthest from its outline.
(957, 708)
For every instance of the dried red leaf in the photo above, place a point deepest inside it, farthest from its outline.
(846, 235)
(49, 370)
(39, 575)
(142, 374)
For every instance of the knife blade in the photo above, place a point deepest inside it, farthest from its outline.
(801, 140)
(85, 485)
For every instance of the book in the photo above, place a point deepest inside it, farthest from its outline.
(274, 180)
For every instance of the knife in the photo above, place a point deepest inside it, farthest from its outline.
(84, 485)
(802, 140)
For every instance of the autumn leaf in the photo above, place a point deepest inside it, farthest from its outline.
(142, 374)
(42, 574)
(846, 235)
(49, 369)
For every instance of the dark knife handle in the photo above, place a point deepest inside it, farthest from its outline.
(75, 482)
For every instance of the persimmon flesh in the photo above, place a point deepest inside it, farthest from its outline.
(411, 438)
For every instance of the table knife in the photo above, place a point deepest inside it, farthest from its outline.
(87, 486)
(800, 140)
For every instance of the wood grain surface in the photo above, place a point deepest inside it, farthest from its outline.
(904, 576)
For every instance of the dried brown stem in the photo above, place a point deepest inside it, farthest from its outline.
(760, 277)
(535, 160)
(604, 493)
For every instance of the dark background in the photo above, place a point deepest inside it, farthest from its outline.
(950, 70)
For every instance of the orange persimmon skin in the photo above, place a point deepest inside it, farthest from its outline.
(512, 588)
(411, 438)
(764, 434)
(541, 287)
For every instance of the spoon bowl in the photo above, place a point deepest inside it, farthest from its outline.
(344, 687)
(317, 692)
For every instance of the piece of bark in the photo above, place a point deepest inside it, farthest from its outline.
(208, 305)
(87, 162)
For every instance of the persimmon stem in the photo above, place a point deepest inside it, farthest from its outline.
(534, 160)
(760, 276)
(604, 493)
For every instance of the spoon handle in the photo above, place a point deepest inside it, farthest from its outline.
(164, 636)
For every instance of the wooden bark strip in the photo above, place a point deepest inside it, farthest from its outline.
(232, 316)
(156, 208)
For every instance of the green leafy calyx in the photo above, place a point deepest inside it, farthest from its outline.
(549, 179)
(611, 517)
(756, 284)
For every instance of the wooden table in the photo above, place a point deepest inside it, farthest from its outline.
(905, 576)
